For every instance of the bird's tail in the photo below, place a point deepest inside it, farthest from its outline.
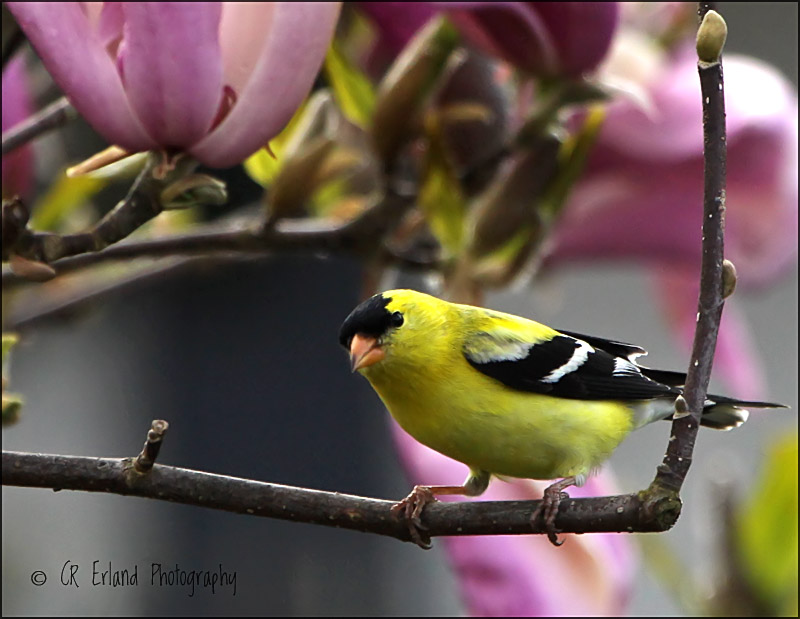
(721, 413)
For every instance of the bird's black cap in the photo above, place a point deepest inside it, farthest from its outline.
(370, 318)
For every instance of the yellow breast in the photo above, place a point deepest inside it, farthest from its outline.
(457, 411)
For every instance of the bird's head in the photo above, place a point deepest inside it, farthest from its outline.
(393, 328)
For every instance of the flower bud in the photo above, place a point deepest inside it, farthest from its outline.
(413, 77)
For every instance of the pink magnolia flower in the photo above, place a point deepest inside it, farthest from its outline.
(214, 79)
(543, 38)
(525, 575)
(17, 106)
(640, 196)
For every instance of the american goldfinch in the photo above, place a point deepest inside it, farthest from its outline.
(508, 396)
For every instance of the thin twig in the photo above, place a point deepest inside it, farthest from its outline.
(678, 457)
(44, 308)
(360, 236)
(55, 115)
(143, 463)
(32, 312)
(244, 496)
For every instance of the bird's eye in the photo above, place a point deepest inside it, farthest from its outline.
(396, 319)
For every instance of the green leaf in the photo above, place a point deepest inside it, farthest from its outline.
(69, 193)
(63, 198)
(767, 533)
(352, 90)
(12, 406)
(264, 165)
(9, 339)
(572, 159)
(12, 403)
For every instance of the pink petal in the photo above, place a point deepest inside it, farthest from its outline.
(242, 37)
(173, 68)
(541, 37)
(527, 575)
(290, 59)
(110, 22)
(756, 96)
(76, 58)
(629, 209)
(761, 223)
(508, 30)
(640, 196)
(547, 38)
(673, 129)
(17, 106)
(397, 22)
(582, 31)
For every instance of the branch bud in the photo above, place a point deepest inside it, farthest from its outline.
(728, 278)
(711, 37)
(681, 408)
(193, 190)
(31, 269)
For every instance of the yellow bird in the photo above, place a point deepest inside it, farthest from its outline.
(508, 396)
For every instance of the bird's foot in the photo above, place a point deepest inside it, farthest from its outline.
(411, 509)
(548, 508)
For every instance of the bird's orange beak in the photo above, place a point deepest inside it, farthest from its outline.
(364, 352)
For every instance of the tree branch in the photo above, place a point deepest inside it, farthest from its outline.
(55, 115)
(625, 513)
(361, 236)
(678, 457)
(141, 204)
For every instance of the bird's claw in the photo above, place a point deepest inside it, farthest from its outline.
(548, 510)
(411, 510)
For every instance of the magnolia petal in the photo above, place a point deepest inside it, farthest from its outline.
(527, 575)
(544, 38)
(17, 106)
(76, 58)
(397, 21)
(582, 32)
(756, 96)
(290, 59)
(242, 39)
(110, 20)
(509, 30)
(761, 202)
(641, 193)
(549, 38)
(172, 68)
(629, 209)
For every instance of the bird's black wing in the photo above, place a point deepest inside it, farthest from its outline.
(631, 352)
(563, 366)
(612, 347)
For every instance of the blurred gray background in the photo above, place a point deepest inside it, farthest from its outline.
(243, 361)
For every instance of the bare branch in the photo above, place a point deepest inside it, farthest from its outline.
(625, 513)
(361, 236)
(678, 458)
(55, 115)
